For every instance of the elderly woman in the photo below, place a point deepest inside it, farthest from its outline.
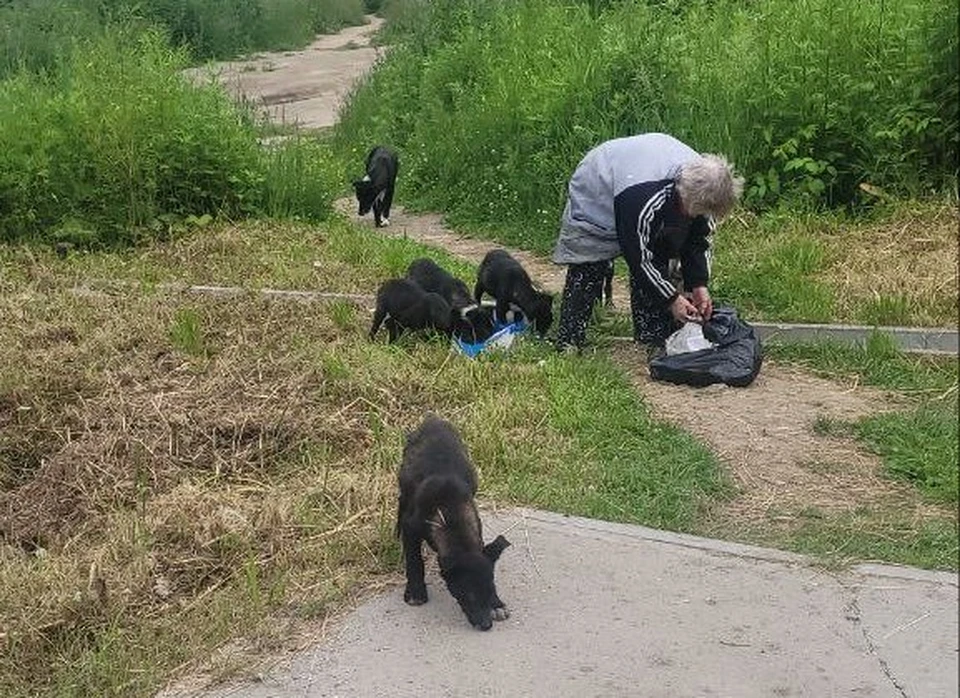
(651, 199)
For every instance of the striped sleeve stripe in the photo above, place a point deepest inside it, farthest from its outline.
(708, 253)
(647, 214)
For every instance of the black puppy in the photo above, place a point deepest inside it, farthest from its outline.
(505, 279)
(608, 284)
(471, 321)
(375, 190)
(437, 486)
(402, 305)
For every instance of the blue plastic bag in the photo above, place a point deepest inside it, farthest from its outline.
(504, 334)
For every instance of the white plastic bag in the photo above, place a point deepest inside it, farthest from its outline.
(687, 339)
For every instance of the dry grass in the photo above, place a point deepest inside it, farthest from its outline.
(336, 257)
(174, 470)
(141, 482)
(908, 260)
(896, 268)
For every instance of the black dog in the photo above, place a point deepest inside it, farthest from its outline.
(375, 190)
(505, 279)
(471, 322)
(437, 485)
(608, 284)
(402, 305)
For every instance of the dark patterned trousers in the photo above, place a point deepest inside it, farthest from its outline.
(652, 323)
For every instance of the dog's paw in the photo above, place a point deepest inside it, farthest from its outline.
(415, 597)
(501, 613)
(385, 222)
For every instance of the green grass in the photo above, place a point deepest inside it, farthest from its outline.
(917, 444)
(879, 363)
(186, 333)
(772, 269)
(919, 447)
(877, 535)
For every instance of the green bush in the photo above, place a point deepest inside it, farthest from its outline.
(492, 103)
(115, 142)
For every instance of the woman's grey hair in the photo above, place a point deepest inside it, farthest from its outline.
(708, 186)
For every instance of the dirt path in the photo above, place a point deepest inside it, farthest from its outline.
(304, 87)
(764, 434)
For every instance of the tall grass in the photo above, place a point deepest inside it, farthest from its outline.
(34, 33)
(115, 142)
(221, 28)
(492, 103)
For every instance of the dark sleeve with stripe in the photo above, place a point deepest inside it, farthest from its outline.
(695, 255)
(639, 212)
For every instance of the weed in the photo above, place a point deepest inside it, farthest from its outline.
(343, 314)
(116, 146)
(186, 334)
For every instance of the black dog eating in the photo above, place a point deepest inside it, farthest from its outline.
(471, 322)
(437, 486)
(402, 305)
(505, 279)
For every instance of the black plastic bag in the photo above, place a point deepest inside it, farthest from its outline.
(735, 360)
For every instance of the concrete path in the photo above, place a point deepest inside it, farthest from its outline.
(614, 610)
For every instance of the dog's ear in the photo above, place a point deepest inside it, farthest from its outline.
(493, 549)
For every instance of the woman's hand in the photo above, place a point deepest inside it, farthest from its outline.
(684, 311)
(702, 302)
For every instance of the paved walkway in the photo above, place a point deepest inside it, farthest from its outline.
(614, 610)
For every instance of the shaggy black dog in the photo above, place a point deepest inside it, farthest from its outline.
(375, 190)
(437, 486)
(402, 305)
(505, 279)
(471, 322)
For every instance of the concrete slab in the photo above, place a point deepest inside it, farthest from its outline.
(612, 610)
(923, 340)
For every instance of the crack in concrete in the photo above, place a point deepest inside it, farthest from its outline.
(853, 614)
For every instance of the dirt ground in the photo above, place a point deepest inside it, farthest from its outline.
(303, 87)
(777, 460)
